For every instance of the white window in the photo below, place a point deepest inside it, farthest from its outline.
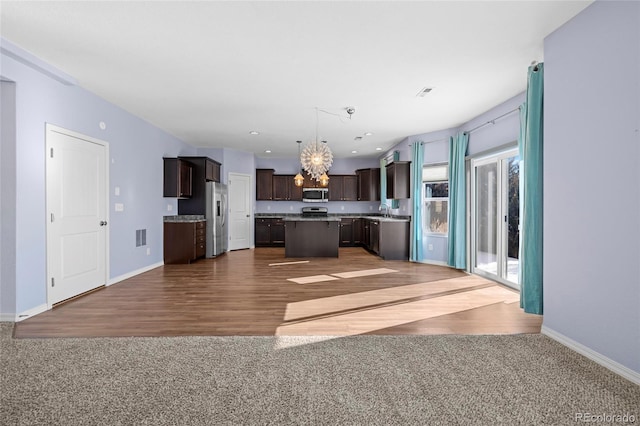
(435, 181)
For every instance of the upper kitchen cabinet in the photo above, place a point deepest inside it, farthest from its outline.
(178, 178)
(204, 169)
(284, 188)
(343, 188)
(264, 184)
(398, 180)
(368, 184)
(212, 170)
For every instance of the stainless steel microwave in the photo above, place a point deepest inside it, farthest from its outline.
(315, 195)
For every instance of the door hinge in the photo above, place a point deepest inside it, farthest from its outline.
(51, 153)
(53, 282)
(52, 217)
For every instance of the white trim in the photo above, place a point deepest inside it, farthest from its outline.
(7, 317)
(31, 312)
(32, 61)
(128, 275)
(598, 358)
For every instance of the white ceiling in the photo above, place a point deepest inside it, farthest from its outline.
(210, 72)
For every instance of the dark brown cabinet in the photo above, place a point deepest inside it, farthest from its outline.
(343, 188)
(277, 232)
(398, 180)
(346, 232)
(351, 231)
(184, 242)
(388, 239)
(269, 232)
(212, 170)
(264, 184)
(204, 169)
(284, 189)
(178, 178)
(368, 184)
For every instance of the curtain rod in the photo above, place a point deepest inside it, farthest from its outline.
(433, 141)
(492, 121)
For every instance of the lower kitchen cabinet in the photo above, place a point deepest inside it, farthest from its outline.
(184, 242)
(389, 240)
(351, 232)
(269, 232)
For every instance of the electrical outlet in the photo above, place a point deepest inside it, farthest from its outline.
(341, 207)
(119, 207)
(169, 207)
(430, 247)
(148, 251)
(268, 207)
(290, 207)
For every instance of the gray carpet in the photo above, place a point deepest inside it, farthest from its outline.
(381, 380)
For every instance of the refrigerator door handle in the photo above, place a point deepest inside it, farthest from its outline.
(223, 214)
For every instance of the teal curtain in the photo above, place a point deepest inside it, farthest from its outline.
(531, 150)
(416, 218)
(457, 201)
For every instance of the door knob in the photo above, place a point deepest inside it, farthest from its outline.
(103, 223)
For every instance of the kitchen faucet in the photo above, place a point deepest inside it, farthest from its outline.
(384, 207)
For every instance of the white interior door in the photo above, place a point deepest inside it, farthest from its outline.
(77, 214)
(240, 235)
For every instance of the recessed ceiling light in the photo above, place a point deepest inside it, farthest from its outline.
(378, 149)
(253, 132)
(268, 151)
(354, 152)
(423, 92)
(368, 134)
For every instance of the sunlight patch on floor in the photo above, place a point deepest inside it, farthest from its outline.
(312, 279)
(391, 316)
(364, 273)
(345, 302)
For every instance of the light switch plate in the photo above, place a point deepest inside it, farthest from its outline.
(116, 191)
(169, 207)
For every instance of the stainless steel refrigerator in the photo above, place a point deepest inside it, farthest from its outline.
(216, 215)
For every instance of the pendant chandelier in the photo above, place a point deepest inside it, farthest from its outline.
(298, 180)
(316, 158)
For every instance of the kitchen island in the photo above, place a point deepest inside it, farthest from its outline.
(311, 236)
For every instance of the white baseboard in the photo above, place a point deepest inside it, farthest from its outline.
(133, 273)
(31, 312)
(606, 362)
(7, 317)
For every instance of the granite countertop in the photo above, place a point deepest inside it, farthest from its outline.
(185, 218)
(311, 219)
(331, 217)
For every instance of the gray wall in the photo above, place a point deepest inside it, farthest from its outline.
(7, 201)
(136, 151)
(592, 181)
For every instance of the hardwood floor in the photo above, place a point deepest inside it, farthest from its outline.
(239, 293)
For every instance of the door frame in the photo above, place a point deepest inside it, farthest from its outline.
(250, 204)
(51, 128)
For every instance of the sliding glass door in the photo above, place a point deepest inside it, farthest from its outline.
(495, 220)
